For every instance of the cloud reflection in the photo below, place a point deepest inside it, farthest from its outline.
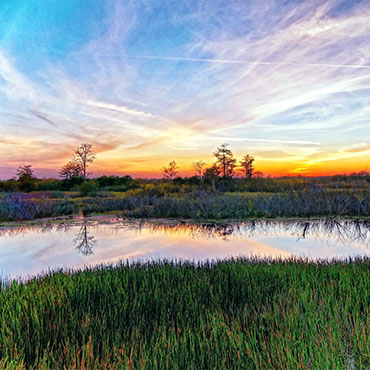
(31, 249)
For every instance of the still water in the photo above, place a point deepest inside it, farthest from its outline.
(29, 250)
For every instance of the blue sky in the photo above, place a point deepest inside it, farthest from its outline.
(150, 81)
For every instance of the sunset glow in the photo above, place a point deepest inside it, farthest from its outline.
(147, 82)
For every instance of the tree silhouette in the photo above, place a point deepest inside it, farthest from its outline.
(171, 171)
(73, 169)
(211, 175)
(225, 160)
(25, 173)
(25, 178)
(84, 156)
(198, 168)
(248, 167)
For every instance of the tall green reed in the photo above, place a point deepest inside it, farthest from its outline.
(235, 314)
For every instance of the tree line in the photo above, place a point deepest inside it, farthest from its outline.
(225, 174)
(75, 172)
(225, 166)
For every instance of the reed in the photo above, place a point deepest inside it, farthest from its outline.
(151, 202)
(312, 202)
(21, 206)
(232, 314)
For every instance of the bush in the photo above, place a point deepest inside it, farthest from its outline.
(88, 188)
(49, 184)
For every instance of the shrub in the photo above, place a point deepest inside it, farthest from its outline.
(88, 188)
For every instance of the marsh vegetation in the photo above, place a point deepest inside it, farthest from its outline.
(235, 314)
(347, 196)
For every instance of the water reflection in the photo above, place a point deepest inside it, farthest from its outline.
(330, 230)
(30, 249)
(84, 242)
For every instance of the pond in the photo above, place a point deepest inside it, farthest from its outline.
(30, 250)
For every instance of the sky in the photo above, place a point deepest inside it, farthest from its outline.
(151, 81)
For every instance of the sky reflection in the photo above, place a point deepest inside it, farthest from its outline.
(30, 250)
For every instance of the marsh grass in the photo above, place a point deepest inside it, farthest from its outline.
(22, 206)
(312, 202)
(232, 314)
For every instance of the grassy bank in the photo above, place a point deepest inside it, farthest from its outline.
(237, 314)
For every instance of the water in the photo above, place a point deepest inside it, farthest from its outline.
(29, 250)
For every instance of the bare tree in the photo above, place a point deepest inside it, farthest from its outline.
(225, 160)
(73, 169)
(248, 167)
(198, 168)
(84, 156)
(171, 171)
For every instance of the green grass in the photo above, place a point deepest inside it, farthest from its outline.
(235, 314)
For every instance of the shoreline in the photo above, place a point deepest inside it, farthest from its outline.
(113, 215)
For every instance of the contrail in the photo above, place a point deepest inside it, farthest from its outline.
(228, 61)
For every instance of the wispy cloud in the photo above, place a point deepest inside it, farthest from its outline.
(184, 148)
(246, 139)
(117, 108)
(155, 81)
(261, 63)
(340, 155)
(42, 117)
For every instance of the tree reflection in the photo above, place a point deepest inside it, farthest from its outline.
(84, 242)
(342, 232)
(338, 231)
